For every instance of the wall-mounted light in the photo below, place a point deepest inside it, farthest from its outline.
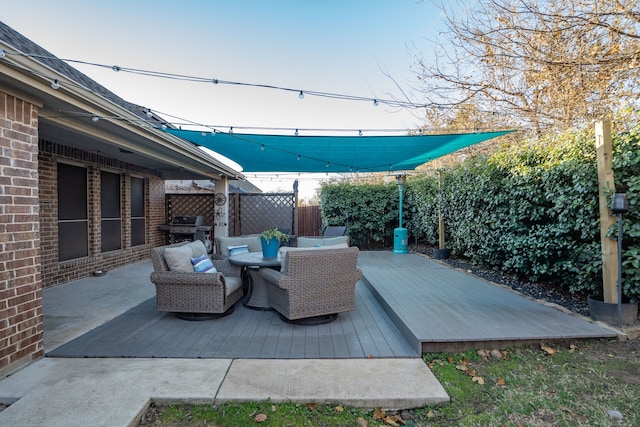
(55, 85)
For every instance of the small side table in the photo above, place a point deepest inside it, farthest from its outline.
(251, 262)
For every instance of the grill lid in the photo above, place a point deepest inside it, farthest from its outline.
(188, 220)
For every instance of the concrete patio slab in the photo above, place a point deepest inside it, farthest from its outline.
(104, 392)
(387, 383)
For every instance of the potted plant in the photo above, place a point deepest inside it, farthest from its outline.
(270, 240)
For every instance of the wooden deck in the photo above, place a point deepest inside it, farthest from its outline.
(406, 305)
(439, 308)
(366, 332)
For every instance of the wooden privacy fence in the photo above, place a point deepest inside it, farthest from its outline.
(309, 221)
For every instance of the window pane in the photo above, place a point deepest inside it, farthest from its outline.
(110, 235)
(72, 192)
(138, 232)
(110, 195)
(137, 197)
(73, 240)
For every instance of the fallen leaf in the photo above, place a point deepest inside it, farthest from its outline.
(431, 414)
(565, 409)
(471, 372)
(339, 409)
(450, 359)
(260, 418)
(550, 351)
(379, 414)
(361, 422)
(273, 408)
(501, 382)
(399, 419)
(462, 368)
(478, 380)
(390, 421)
(496, 354)
(312, 406)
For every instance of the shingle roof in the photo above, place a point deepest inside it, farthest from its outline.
(27, 47)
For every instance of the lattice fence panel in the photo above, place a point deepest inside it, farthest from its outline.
(259, 212)
(191, 204)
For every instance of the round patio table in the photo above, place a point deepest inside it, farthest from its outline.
(251, 262)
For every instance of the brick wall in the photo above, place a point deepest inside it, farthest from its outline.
(20, 279)
(54, 272)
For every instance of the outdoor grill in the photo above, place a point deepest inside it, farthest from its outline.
(186, 227)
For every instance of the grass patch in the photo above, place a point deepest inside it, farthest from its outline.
(577, 384)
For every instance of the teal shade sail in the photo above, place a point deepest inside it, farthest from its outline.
(284, 153)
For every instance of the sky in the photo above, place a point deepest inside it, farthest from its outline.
(365, 48)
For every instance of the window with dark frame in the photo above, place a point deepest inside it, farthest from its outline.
(138, 221)
(111, 213)
(73, 221)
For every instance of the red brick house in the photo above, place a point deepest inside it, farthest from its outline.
(82, 176)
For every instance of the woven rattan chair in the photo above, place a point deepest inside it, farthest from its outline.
(314, 285)
(195, 295)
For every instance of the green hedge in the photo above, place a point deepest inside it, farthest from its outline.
(530, 211)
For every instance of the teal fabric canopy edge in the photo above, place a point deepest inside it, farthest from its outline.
(335, 154)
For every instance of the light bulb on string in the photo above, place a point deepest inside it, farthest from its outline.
(360, 133)
(262, 147)
(116, 68)
(298, 156)
(95, 118)
(301, 95)
(231, 129)
(296, 132)
(55, 85)
(149, 114)
(3, 53)
(375, 102)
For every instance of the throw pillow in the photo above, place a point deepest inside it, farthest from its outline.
(179, 259)
(203, 264)
(235, 250)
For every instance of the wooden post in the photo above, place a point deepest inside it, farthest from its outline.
(441, 243)
(604, 153)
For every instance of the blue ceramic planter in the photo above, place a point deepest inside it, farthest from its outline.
(270, 248)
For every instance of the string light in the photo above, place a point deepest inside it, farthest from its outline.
(296, 133)
(375, 103)
(55, 85)
(3, 53)
(298, 156)
(95, 118)
(116, 68)
(301, 95)
(262, 147)
(149, 113)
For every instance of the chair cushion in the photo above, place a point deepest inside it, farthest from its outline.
(251, 240)
(232, 284)
(310, 242)
(203, 264)
(179, 258)
(197, 248)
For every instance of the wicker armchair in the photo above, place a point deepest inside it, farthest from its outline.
(314, 285)
(195, 295)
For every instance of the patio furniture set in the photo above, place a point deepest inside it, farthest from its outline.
(309, 284)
